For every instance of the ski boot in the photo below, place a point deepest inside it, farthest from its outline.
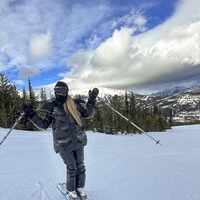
(82, 195)
(72, 195)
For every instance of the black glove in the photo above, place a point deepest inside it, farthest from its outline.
(27, 109)
(93, 95)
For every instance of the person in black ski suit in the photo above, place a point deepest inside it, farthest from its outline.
(69, 137)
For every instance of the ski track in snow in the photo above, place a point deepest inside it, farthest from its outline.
(117, 167)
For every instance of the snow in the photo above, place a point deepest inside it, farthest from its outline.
(118, 166)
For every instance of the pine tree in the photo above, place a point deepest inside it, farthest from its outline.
(170, 117)
(132, 106)
(43, 96)
(43, 100)
(107, 117)
(24, 96)
(4, 95)
(15, 106)
(99, 126)
(9, 102)
(33, 100)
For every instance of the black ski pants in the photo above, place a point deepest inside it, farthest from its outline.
(74, 161)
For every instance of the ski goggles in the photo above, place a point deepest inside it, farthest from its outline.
(61, 90)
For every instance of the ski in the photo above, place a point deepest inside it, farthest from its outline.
(62, 188)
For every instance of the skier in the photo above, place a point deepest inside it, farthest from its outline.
(64, 115)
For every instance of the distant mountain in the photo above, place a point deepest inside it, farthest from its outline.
(185, 104)
(175, 90)
(170, 92)
(102, 92)
(184, 101)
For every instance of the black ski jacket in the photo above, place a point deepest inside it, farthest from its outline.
(67, 134)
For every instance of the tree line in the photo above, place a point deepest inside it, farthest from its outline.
(105, 120)
(11, 102)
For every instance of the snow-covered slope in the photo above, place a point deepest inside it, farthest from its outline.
(118, 166)
(185, 105)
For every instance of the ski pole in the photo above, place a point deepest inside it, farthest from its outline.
(16, 122)
(157, 141)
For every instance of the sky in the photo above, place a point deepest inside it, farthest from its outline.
(140, 46)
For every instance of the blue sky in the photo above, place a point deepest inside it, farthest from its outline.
(141, 46)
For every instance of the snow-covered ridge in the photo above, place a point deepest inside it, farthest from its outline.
(175, 90)
(184, 101)
(185, 105)
(102, 91)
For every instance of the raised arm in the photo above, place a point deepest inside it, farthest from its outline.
(90, 106)
(42, 123)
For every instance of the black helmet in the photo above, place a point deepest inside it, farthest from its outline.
(61, 88)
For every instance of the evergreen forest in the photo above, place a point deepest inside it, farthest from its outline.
(105, 120)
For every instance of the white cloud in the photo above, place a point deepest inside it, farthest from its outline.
(112, 52)
(46, 33)
(134, 19)
(104, 63)
(28, 72)
(140, 22)
(40, 46)
(32, 31)
(169, 53)
(19, 82)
